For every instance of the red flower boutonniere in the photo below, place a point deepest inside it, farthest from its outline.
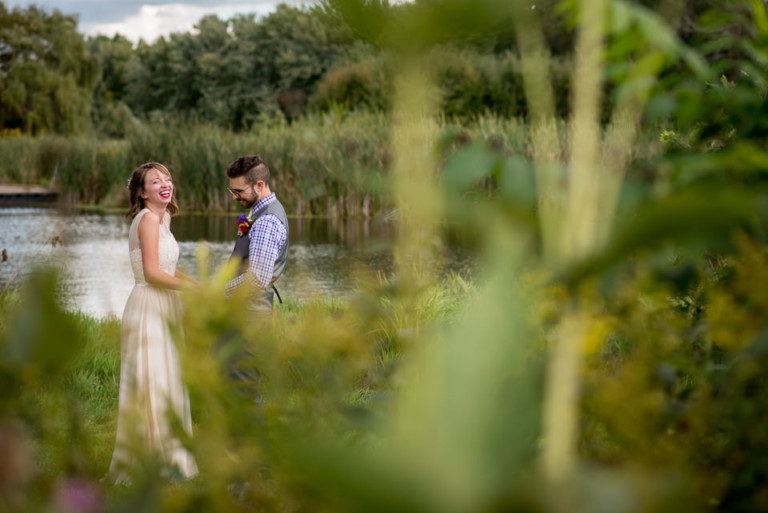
(244, 223)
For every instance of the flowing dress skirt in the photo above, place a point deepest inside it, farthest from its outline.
(153, 400)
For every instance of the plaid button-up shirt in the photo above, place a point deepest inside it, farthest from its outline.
(268, 236)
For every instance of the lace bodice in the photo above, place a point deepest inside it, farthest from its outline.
(167, 248)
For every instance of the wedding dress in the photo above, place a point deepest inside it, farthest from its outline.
(152, 395)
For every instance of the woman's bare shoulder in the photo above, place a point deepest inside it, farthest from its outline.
(150, 217)
(149, 223)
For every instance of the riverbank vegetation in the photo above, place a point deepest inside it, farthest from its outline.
(609, 353)
(323, 165)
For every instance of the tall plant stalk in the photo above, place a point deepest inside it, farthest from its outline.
(582, 216)
(545, 140)
(576, 214)
(413, 174)
(576, 234)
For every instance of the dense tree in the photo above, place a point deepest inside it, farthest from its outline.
(114, 55)
(234, 72)
(227, 72)
(111, 114)
(46, 73)
(150, 78)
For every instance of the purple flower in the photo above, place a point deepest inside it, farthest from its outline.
(243, 225)
(78, 495)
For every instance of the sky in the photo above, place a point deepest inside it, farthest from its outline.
(149, 19)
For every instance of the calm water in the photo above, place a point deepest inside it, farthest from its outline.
(91, 250)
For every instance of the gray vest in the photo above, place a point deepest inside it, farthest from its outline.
(242, 244)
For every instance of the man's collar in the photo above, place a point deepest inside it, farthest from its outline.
(263, 202)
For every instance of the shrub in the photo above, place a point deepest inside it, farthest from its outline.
(356, 85)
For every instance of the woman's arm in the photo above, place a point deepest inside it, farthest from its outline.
(149, 236)
(186, 278)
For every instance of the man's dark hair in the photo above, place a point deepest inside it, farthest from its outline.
(250, 166)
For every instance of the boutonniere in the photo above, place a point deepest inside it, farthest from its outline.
(244, 223)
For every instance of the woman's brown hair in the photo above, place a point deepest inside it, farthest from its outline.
(136, 185)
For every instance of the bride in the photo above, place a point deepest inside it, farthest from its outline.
(152, 395)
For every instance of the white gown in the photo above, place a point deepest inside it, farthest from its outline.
(152, 395)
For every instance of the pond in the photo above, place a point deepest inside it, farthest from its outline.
(90, 248)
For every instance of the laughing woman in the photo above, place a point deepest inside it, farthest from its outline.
(152, 394)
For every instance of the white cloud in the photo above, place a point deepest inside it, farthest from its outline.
(153, 21)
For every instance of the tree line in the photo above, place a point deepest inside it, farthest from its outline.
(225, 72)
(235, 72)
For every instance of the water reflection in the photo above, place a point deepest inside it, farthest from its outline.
(353, 233)
(91, 249)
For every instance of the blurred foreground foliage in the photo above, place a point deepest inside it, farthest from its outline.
(609, 354)
(381, 402)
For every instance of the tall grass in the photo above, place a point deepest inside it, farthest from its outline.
(86, 170)
(333, 164)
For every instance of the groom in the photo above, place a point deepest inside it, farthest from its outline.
(261, 249)
(262, 237)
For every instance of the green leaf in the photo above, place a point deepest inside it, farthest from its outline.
(621, 18)
(516, 181)
(659, 35)
(42, 338)
(706, 215)
(660, 106)
(760, 16)
(468, 166)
